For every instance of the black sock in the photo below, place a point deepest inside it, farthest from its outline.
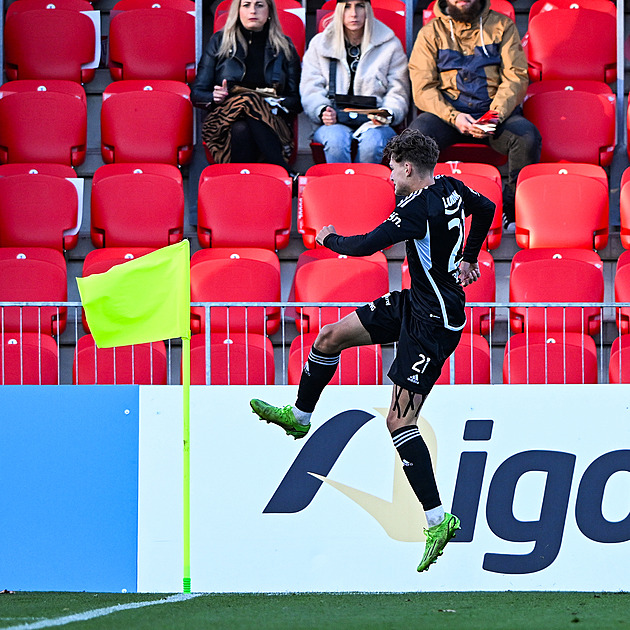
(316, 374)
(417, 465)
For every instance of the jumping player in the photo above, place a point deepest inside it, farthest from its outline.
(426, 320)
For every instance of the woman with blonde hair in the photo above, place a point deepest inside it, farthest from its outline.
(355, 56)
(248, 80)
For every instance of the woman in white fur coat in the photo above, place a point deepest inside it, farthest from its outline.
(370, 61)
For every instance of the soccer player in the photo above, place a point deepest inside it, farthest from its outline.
(426, 320)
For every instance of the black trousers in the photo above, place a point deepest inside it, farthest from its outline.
(515, 137)
(255, 141)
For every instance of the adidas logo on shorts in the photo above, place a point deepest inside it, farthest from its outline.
(413, 378)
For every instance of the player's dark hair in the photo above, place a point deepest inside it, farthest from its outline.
(413, 146)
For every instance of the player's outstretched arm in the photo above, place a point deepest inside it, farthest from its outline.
(468, 273)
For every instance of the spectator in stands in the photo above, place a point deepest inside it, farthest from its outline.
(248, 80)
(465, 63)
(355, 55)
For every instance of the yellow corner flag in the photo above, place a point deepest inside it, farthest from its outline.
(143, 300)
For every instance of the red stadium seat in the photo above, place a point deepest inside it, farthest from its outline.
(240, 359)
(500, 6)
(471, 363)
(128, 5)
(235, 274)
(323, 169)
(619, 364)
(42, 168)
(624, 209)
(43, 121)
(246, 168)
(337, 279)
(539, 6)
(622, 291)
(556, 275)
(137, 209)
(456, 168)
(28, 359)
(50, 44)
(33, 274)
(152, 43)
(292, 26)
(39, 211)
(20, 6)
(354, 205)
(142, 364)
(561, 211)
(576, 120)
(479, 319)
(362, 365)
(572, 44)
(555, 358)
(147, 121)
(102, 260)
(563, 168)
(137, 168)
(244, 210)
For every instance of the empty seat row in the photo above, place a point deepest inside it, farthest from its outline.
(248, 359)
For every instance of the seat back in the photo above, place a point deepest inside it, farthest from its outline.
(338, 279)
(39, 211)
(561, 211)
(41, 168)
(563, 110)
(28, 359)
(240, 359)
(619, 363)
(34, 5)
(49, 44)
(354, 205)
(622, 291)
(246, 168)
(147, 121)
(470, 362)
(137, 210)
(556, 276)
(33, 274)
(362, 365)
(244, 211)
(141, 364)
(456, 168)
(556, 358)
(152, 44)
(563, 168)
(572, 44)
(235, 275)
(539, 6)
(43, 121)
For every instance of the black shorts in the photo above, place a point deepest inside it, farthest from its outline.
(423, 346)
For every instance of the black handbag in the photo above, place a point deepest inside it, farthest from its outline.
(342, 102)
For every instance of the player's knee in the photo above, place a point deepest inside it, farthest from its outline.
(328, 340)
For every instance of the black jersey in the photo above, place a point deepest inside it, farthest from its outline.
(432, 222)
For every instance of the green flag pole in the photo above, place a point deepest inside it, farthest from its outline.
(186, 391)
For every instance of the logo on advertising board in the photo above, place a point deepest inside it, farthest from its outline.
(402, 518)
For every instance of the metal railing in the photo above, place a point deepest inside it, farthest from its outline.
(513, 342)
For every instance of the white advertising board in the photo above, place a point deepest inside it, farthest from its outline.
(539, 475)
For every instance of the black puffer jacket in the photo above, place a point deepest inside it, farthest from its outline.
(280, 72)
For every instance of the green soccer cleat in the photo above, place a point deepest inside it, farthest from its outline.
(282, 416)
(437, 537)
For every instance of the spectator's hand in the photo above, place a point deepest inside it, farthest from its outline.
(464, 123)
(220, 92)
(323, 233)
(468, 273)
(329, 116)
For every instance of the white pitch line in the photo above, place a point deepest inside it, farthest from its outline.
(100, 612)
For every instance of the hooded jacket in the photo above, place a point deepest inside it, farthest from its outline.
(459, 67)
(381, 72)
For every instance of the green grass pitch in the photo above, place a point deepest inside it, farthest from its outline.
(319, 611)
